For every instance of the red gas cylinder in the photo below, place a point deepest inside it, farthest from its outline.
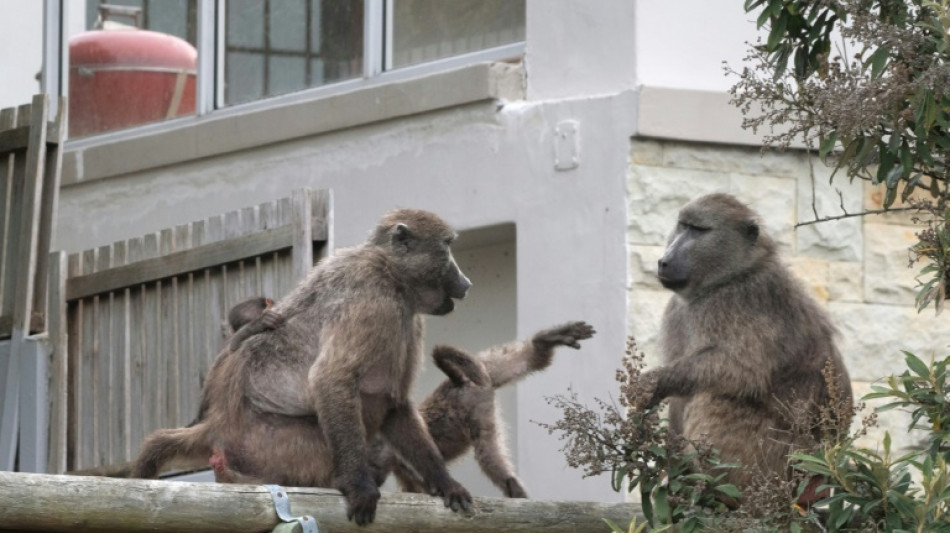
(122, 78)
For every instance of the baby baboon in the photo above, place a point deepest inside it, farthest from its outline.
(460, 413)
(296, 405)
(251, 317)
(743, 344)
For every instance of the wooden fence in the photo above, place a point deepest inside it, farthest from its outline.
(30, 160)
(142, 319)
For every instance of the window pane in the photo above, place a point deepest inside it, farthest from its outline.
(21, 29)
(121, 75)
(424, 30)
(297, 43)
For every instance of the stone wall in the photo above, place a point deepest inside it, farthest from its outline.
(856, 267)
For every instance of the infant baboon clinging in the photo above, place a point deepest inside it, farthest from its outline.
(743, 344)
(460, 414)
(251, 317)
(296, 405)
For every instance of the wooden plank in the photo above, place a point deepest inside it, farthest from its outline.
(267, 218)
(29, 204)
(106, 406)
(59, 368)
(55, 137)
(7, 255)
(121, 360)
(15, 139)
(155, 268)
(321, 201)
(154, 364)
(189, 368)
(302, 223)
(81, 504)
(73, 363)
(137, 351)
(88, 368)
(216, 290)
(167, 354)
(205, 348)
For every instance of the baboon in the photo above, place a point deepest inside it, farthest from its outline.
(250, 317)
(743, 344)
(296, 405)
(460, 414)
(245, 319)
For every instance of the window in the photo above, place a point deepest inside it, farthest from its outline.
(280, 46)
(138, 62)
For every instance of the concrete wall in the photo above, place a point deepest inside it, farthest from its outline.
(856, 267)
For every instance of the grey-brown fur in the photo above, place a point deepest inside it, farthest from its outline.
(250, 317)
(296, 405)
(743, 344)
(460, 414)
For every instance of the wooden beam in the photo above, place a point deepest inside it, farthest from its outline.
(38, 502)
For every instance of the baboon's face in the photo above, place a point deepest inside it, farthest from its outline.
(422, 244)
(713, 240)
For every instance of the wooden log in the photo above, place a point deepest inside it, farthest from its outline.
(37, 502)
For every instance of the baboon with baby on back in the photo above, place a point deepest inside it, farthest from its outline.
(297, 404)
(744, 347)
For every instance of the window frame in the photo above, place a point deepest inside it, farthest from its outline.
(210, 69)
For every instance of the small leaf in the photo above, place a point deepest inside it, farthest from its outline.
(613, 527)
(878, 61)
(827, 144)
(729, 490)
(914, 363)
(777, 32)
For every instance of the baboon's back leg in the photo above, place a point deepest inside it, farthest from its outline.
(493, 459)
(183, 446)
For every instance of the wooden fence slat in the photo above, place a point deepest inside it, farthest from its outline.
(75, 411)
(59, 377)
(138, 407)
(106, 407)
(187, 350)
(7, 121)
(121, 361)
(168, 335)
(89, 385)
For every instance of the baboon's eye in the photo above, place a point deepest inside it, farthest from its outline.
(693, 227)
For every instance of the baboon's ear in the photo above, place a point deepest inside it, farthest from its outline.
(750, 229)
(400, 236)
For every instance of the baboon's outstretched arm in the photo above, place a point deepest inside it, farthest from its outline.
(515, 360)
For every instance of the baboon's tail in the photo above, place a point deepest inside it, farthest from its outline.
(183, 446)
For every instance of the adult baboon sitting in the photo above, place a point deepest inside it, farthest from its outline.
(296, 405)
(743, 345)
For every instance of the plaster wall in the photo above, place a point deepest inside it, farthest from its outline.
(855, 267)
(477, 165)
(682, 44)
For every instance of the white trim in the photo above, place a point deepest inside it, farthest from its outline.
(372, 38)
(205, 83)
(53, 73)
(691, 115)
(326, 91)
(388, 50)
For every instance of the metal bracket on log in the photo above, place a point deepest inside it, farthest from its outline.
(282, 505)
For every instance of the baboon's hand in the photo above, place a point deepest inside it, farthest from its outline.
(565, 335)
(455, 496)
(513, 488)
(361, 498)
(271, 319)
(648, 395)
